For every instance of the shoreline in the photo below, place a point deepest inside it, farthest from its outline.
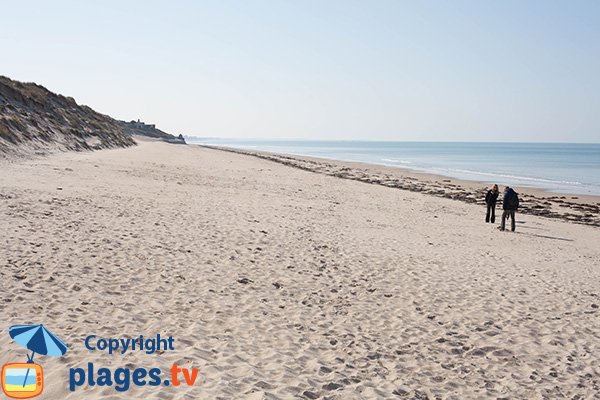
(582, 209)
(573, 185)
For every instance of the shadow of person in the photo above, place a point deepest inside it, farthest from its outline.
(545, 236)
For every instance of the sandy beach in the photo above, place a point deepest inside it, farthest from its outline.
(278, 282)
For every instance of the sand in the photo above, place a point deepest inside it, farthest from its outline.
(282, 283)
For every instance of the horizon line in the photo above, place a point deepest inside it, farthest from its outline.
(385, 140)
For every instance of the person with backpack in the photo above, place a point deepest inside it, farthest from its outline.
(510, 204)
(490, 199)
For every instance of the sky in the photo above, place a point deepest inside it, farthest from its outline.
(314, 69)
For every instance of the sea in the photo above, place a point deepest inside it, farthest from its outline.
(572, 168)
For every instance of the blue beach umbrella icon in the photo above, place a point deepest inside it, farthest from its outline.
(38, 339)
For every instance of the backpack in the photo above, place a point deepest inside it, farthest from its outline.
(513, 200)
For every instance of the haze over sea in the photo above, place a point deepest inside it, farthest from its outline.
(556, 167)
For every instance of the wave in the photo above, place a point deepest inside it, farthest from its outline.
(517, 177)
(396, 161)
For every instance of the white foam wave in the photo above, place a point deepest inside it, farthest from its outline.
(396, 161)
(516, 177)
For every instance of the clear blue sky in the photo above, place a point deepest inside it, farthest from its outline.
(393, 70)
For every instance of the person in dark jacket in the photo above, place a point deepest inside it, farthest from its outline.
(510, 204)
(490, 199)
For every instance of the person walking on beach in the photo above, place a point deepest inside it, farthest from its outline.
(490, 199)
(510, 203)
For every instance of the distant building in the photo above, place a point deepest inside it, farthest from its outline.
(141, 125)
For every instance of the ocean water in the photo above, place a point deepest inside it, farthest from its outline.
(556, 167)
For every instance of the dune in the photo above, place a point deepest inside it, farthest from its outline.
(35, 121)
